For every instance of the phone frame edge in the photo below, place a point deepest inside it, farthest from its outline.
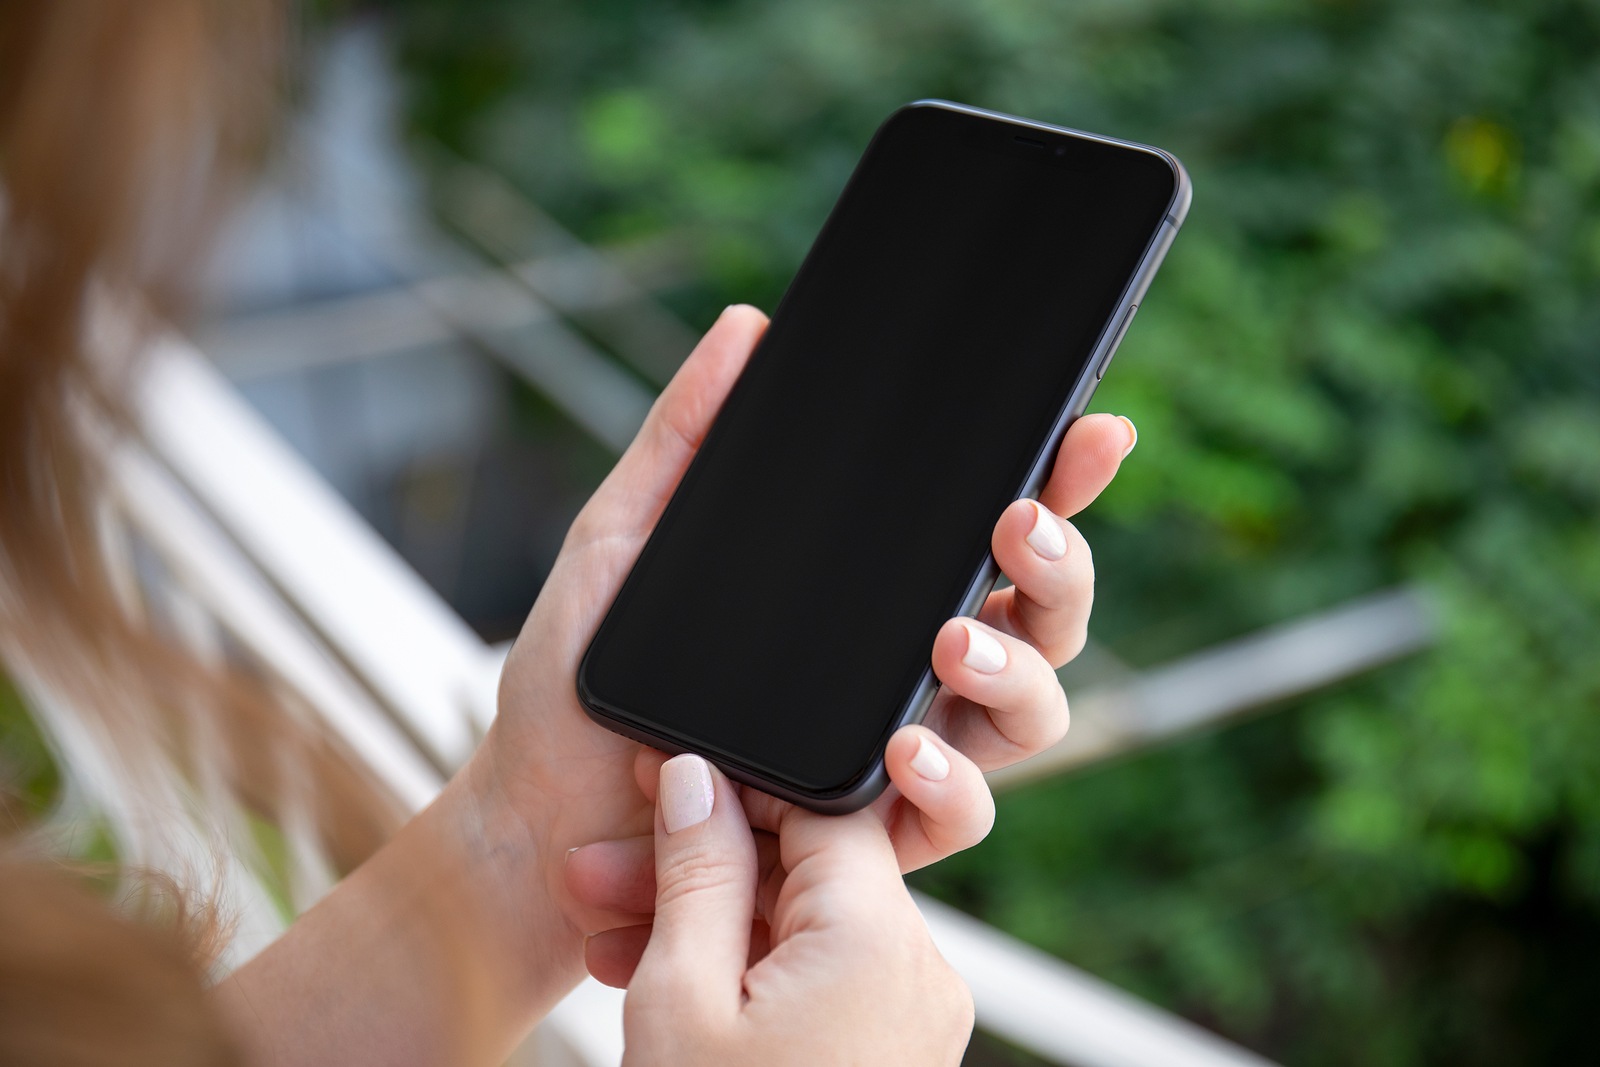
(864, 790)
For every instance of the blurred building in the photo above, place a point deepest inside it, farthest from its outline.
(316, 316)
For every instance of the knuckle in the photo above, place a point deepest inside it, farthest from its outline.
(901, 943)
(967, 830)
(961, 1011)
(586, 527)
(1069, 647)
(978, 823)
(1074, 572)
(1055, 718)
(948, 996)
(581, 531)
(693, 872)
(1078, 550)
(1043, 723)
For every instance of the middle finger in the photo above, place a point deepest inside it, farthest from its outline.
(1003, 701)
(1052, 573)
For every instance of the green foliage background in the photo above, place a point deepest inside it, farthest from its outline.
(1370, 359)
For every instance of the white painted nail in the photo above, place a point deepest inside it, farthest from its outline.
(984, 654)
(929, 762)
(1133, 434)
(1046, 537)
(687, 792)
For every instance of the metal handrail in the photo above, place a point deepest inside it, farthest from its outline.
(1220, 684)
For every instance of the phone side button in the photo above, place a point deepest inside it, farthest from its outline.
(1111, 349)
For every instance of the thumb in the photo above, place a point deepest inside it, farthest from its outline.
(633, 494)
(706, 873)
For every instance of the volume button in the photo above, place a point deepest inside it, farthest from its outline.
(1111, 349)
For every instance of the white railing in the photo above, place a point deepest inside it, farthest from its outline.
(1220, 684)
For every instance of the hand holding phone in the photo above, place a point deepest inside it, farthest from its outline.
(844, 972)
(949, 325)
(572, 783)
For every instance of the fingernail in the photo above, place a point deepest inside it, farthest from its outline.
(984, 654)
(1046, 536)
(929, 761)
(687, 792)
(571, 850)
(1133, 434)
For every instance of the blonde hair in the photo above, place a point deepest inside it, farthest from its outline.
(81, 986)
(124, 127)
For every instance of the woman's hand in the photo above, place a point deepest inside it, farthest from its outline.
(572, 783)
(448, 944)
(850, 974)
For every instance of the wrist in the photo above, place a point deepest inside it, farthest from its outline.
(446, 946)
(501, 852)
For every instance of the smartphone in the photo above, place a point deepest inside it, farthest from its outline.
(953, 317)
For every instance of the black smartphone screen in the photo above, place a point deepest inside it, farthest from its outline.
(784, 610)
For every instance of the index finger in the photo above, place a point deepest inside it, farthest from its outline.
(1090, 454)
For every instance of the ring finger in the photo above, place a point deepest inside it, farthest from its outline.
(1008, 704)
